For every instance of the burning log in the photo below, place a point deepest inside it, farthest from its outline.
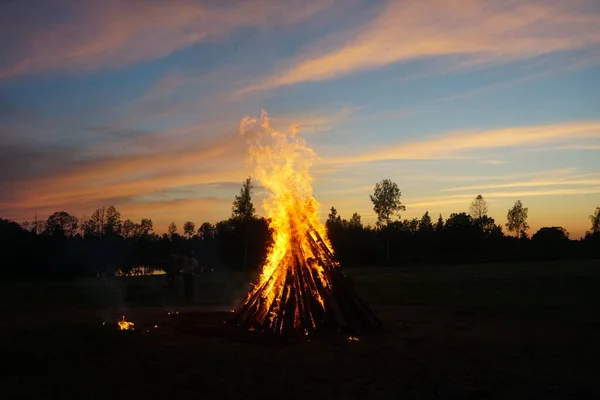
(314, 295)
(302, 288)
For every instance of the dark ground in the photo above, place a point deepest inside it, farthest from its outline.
(488, 331)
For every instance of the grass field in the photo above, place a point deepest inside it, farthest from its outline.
(481, 331)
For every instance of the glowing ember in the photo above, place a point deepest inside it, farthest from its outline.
(352, 339)
(125, 325)
(301, 286)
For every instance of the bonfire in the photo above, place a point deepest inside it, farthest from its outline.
(301, 287)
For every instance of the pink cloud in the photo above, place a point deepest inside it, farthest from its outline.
(90, 35)
(481, 32)
(461, 144)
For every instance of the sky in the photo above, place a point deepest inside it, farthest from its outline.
(138, 104)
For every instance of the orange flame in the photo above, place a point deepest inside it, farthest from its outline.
(125, 325)
(282, 164)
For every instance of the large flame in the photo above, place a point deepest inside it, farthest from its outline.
(282, 163)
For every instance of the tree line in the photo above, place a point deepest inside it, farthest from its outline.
(463, 237)
(104, 243)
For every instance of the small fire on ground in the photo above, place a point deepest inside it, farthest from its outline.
(126, 325)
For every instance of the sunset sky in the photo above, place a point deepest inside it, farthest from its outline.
(138, 104)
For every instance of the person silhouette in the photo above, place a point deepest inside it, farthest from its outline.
(188, 271)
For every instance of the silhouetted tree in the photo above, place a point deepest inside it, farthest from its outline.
(206, 231)
(355, 222)
(112, 225)
(94, 226)
(425, 224)
(108, 243)
(459, 222)
(411, 226)
(243, 215)
(333, 221)
(61, 223)
(36, 226)
(129, 229)
(517, 219)
(478, 207)
(487, 225)
(386, 204)
(463, 237)
(554, 233)
(550, 242)
(172, 230)
(243, 209)
(335, 226)
(439, 225)
(145, 228)
(386, 201)
(26, 226)
(595, 220)
(189, 228)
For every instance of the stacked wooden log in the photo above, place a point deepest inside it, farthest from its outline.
(308, 295)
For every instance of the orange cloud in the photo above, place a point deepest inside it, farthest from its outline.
(571, 147)
(115, 33)
(457, 144)
(180, 158)
(314, 121)
(562, 182)
(168, 161)
(481, 32)
(467, 198)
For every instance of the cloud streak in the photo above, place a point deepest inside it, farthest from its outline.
(132, 168)
(67, 36)
(461, 144)
(316, 121)
(561, 182)
(466, 199)
(480, 32)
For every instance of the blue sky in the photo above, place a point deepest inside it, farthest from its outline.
(139, 103)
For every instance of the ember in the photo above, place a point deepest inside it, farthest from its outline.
(302, 288)
(125, 325)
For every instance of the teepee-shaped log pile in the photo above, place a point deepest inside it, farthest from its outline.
(307, 292)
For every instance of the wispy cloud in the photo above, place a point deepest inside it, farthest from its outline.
(541, 68)
(69, 36)
(591, 147)
(315, 121)
(558, 173)
(535, 183)
(467, 198)
(84, 183)
(131, 168)
(460, 144)
(480, 32)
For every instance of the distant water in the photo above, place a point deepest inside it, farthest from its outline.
(141, 271)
